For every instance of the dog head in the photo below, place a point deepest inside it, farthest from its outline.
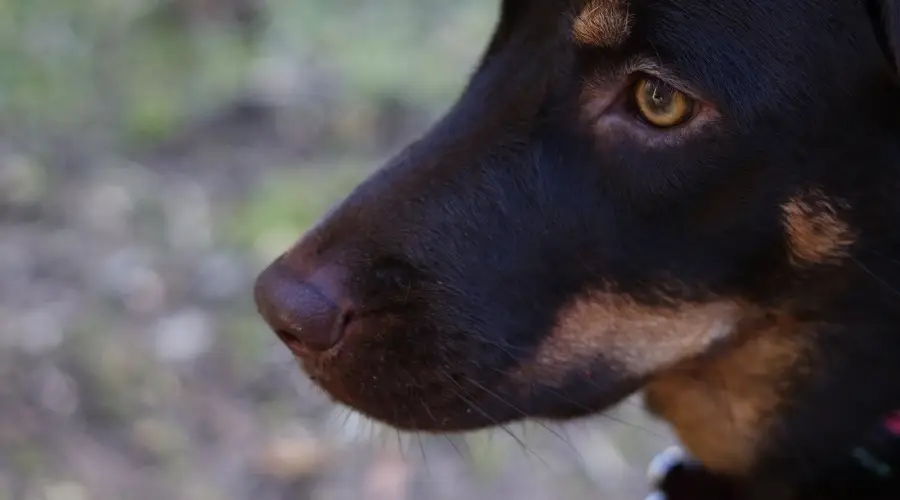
(625, 188)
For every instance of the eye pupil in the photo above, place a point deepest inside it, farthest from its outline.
(660, 104)
(661, 99)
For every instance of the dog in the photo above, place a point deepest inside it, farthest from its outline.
(689, 198)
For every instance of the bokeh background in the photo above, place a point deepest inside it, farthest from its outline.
(156, 154)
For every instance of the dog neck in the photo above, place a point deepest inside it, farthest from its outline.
(789, 401)
(723, 405)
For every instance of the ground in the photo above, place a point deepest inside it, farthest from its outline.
(154, 155)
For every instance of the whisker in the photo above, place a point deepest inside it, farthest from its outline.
(424, 455)
(474, 406)
(400, 444)
(603, 415)
(447, 437)
(347, 416)
(507, 350)
(336, 414)
(458, 451)
(523, 413)
(875, 277)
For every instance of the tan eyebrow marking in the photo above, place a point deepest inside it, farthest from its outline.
(603, 23)
(816, 233)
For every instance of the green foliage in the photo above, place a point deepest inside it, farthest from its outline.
(287, 203)
(124, 69)
(122, 252)
(377, 47)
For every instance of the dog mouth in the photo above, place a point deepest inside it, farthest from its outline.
(441, 390)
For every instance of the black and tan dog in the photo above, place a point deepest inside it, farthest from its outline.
(695, 198)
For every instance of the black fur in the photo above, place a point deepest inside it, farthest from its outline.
(459, 254)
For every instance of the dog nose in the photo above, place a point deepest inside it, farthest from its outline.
(306, 314)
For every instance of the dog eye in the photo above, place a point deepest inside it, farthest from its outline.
(660, 104)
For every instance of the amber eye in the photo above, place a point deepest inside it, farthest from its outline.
(661, 104)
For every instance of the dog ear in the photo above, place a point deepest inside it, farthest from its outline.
(886, 14)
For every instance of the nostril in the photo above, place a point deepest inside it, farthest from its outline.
(289, 340)
(299, 312)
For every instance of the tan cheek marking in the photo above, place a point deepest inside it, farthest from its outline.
(603, 23)
(722, 407)
(635, 338)
(816, 234)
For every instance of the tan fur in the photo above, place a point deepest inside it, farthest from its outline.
(816, 233)
(634, 338)
(723, 406)
(602, 23)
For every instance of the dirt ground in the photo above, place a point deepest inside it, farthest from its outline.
(154, 155)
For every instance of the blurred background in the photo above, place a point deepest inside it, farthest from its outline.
(156, 154)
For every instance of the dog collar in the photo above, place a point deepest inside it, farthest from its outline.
(881, 454)
(892, 423)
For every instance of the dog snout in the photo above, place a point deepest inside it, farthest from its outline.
(309, 314)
